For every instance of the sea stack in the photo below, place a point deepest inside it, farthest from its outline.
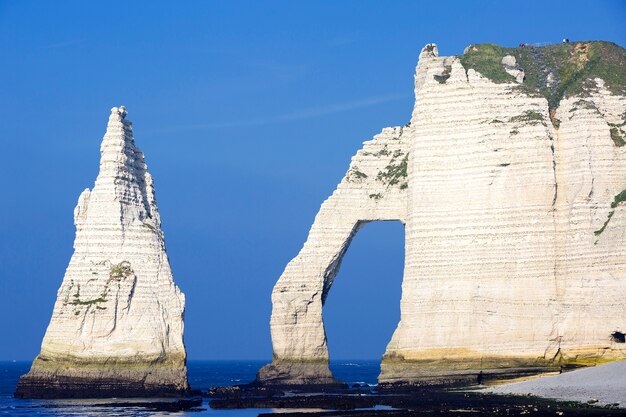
(510, 179)
(117, 325)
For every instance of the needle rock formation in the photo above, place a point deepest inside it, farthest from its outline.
(511, 180)
(117, 325)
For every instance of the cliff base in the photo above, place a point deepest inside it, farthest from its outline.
(286, 373)
(80, 381)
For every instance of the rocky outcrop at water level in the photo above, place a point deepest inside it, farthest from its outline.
(117, 325)
(510, 179)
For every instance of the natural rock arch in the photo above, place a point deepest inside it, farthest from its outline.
(373, 189)
(363, 306)
(514, 214)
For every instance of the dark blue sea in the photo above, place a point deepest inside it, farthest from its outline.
(202, 375)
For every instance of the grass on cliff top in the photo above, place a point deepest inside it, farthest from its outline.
(572, 65)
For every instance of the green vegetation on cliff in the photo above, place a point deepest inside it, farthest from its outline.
(355, 175)
(620, 198)
(121, 270)
(395, 172)
(529, 116)
(554, 71)
(618, 131)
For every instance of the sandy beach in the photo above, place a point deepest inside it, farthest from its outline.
(600, 385)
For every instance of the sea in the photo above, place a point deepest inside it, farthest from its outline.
(202, 375)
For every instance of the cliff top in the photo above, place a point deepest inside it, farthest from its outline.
(554, 71)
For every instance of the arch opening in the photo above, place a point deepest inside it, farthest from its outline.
(362, 310)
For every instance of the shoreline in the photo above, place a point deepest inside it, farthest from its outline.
(602, 385)
(360, 399)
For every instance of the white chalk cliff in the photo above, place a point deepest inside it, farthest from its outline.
(515, 231)
(373, 189)
(117, 324)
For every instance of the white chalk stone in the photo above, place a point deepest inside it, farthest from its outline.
(118, 318)
(505, 268)
(509, 61)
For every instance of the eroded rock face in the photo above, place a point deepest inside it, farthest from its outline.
(374, 188)
(515, 235)
(117, 325)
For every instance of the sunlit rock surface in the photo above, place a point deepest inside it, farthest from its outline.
(514, 224)
(117, 325)
(374, 188)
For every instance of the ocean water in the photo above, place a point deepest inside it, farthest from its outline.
(202, 374)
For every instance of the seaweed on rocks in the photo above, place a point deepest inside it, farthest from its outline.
(404, 401)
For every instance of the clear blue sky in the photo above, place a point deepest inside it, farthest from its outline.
(248, 113)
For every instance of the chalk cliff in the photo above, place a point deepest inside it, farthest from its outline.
(373, 189)
(510, 179)
(117, 325)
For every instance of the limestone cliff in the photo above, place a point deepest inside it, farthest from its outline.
(510, 179)
(374, 188)
(117, 325)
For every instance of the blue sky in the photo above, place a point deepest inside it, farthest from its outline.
(248, 113)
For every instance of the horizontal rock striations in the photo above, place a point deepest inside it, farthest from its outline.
(374, 188)
(117, 325)
(511, 187)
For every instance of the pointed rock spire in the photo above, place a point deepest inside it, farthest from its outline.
(117, 324)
